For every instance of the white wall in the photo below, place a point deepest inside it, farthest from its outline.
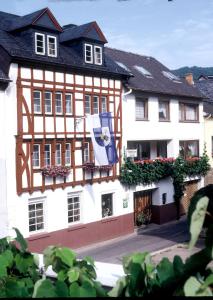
(155, 130)
(55, 205)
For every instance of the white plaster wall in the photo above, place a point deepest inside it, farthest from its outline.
(8, 131)
(55, 205)
(155, 130)
(164, 186)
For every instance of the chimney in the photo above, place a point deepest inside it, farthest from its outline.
(189, 78)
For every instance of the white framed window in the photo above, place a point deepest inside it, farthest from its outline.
(36, 215)
(51, 46)
(39, 43)
(141, 109)
(74, 208)
(58, 103)
(87, 104)
(47, 155)
(68, 154)
(88, 53)
(95, 104)
(98, 55)
(48, 102)
(104, 104)
(107, 205)
(36, 156)
(68, 103)
(58, 155)
(37, 101)
(86, 157)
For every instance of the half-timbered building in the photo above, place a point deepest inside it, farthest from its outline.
(52, 77)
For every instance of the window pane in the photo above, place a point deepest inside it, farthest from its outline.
(51, 46)
(58, 154)
(87, 104)
(162, 149)
(73, 214)
(86, 152)
(140, 110)
(98, 55)
(95, 105)
(58, 103)
(68, 154)
(36, 217)
(88, 53)
(104, 104)
(40, 44)
(37, 101)
(190, 112)
(68, 99)
(106, 205)
(47, 157)
(48, 102)
(163, 111)
(36, 156)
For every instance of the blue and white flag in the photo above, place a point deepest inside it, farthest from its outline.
(103, 140)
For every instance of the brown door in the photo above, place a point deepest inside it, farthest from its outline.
(190, 189)
(142, 204)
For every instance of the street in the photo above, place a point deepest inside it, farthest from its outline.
(152, 238)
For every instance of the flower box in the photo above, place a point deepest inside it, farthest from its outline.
(90, 166)
(54, 171)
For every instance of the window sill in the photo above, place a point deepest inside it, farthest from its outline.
(141, 120)
(191, 121)
(164, 120)
(109, 219)
(75, 227)
(38, 236)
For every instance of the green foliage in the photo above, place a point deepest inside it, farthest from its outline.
(192, 278)
(18, 269)
(196, 71)
(150, 171)
(75, 278)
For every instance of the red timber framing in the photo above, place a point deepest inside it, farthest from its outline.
(29, 178)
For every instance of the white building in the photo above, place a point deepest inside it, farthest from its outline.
(51, 78)
(162, 117)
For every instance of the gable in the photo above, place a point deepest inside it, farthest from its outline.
(93, 34)
(45, 21)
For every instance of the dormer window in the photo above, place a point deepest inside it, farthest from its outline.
(93, 54)
(98, 55)
(40, 43)
(51, 46)
(88, 54)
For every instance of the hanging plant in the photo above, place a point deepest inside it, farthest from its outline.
(54, 171)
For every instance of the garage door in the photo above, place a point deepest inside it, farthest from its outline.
(191, 188)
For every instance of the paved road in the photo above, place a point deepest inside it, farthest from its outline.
(152, 238)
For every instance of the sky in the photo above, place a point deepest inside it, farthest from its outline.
(178, 33)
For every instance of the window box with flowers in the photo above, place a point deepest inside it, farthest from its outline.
(91, 167)
(55, 171)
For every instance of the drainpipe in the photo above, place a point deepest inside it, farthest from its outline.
(127, 93)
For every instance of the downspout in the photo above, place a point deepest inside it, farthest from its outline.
(123, 97)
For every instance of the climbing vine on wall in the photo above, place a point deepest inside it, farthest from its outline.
(150, 171)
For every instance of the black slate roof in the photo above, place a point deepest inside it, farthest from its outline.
(158, 83)
(82, 31)
(206, 87)
(3, 77)
(20, 49)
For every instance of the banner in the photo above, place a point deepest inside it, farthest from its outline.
(103, 140)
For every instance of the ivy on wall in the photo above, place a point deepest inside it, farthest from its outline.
(149, 171)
